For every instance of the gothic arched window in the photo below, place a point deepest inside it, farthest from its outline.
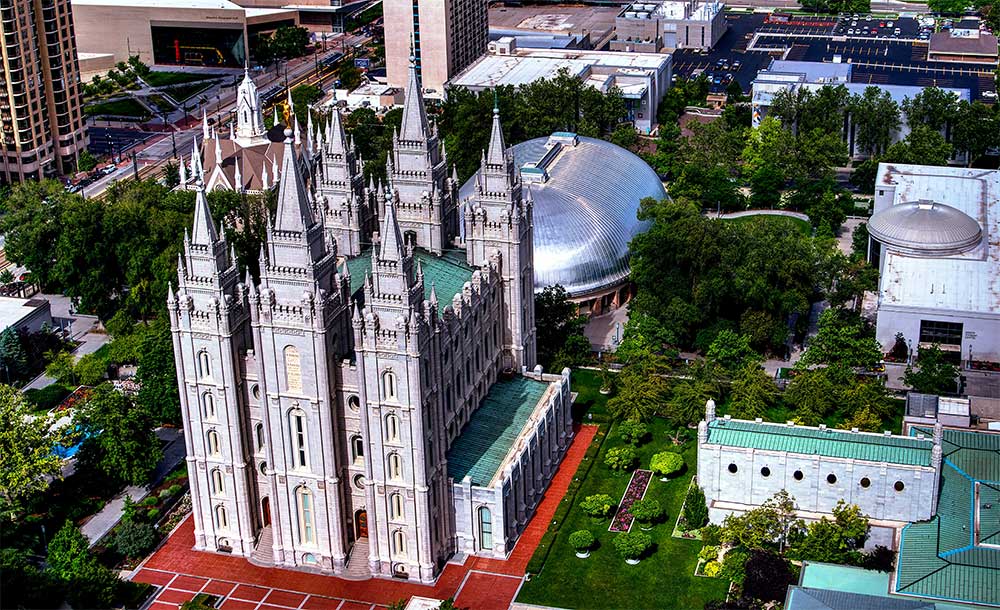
(259, 433)
(213, 443)
(357, 449)
(389, 388)
(297, 429)
(221, 518)
(209, 403)
(395, 467)
(396, 506)
(304, 504)
(399, 544)
(204, 364)
(485, 529)
(218, 484)
(391, 428)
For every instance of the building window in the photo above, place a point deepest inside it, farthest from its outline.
(765, 472)
(395, 467)
(944, 333)
(357, 449)
(831, 478)
(297, 423)
(391, 428)
(209, 405)
(399, 544)
(255, 391)
(485, 529)
(263, 468)
(389, 385)
(309, 559)
(304, 502)
(204, 364)
(898, 486)
(359, 481)
(218, 485)
(221, 518)
(797, 475)
(354, 403)
(396, 506)
(733, 468)
(293, 370)
(213, 443)
(259, 433)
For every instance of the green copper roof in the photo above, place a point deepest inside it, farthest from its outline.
(446, 273)
(487, 438)
(941, 558)
(828, 442)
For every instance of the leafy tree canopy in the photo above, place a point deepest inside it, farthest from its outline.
(119, 434)
(26, 456)
(934, 373)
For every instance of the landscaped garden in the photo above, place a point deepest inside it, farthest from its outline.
(120, 108)
(665, 570)
(163, 79)
(181, 93)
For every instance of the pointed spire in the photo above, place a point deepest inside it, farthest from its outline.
(392, 239)
(274, 169)
(183, 172)
(263, 178)
(204, 124)
(336, 140)
(434, 296)
(218, 152)
(232, 134)
(238, 178)
(277, 119)
(497, 154)
(414, 126)
(309, 129)
(294, 212)
(203, 232)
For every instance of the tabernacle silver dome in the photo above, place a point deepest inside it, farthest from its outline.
(586, 196)
(925, 228)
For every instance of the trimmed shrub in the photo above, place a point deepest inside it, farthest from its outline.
(695, 509)
(581, 540)
(153, 514)
(646, 511)
(175, 489)
(708, 553)
(631, 545)
(149, 501)
(598, 506)
(135, 539)
(620, 458)
(165, 493)
(632, 432)
(712, 568)
(666, 463)
(711, 534)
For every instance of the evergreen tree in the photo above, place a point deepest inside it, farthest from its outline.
(12, 356)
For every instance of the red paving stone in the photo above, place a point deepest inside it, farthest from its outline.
(152, 577)
(235, 604)
(188, 583)
(270, 607)
(162, 606)
(284, 598)
(488, 591)
(174, 596)
(219, 587)
(321, 603)
(355, 606)
(177, 556)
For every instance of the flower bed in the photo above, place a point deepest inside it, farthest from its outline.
(984, 365)
(78, 397)
(635, 491)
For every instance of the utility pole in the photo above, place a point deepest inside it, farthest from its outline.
(135, 166)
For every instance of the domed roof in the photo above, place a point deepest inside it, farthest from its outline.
(925, 228)
(585, 211)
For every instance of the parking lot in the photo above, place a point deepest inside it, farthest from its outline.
(882, 57)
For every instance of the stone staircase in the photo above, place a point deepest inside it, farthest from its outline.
(357, 562)
(263, 555)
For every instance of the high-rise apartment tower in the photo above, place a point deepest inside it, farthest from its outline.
(41, 119)
(445, 35)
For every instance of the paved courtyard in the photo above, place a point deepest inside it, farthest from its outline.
(482, 584)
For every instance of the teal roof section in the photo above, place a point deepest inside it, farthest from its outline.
(488, 437)
(824, 442)
(944, 558)
(447, 273)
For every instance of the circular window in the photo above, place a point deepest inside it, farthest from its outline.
(354, 403)
(831, 478)
(899, 486)
(309, 559)
(866, 482)
(263, 468)
(765, 472)
(733, 468)
(798, 475)
(255, 390)
(359, 481)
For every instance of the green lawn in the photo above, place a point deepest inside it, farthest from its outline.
(162, 79)
(127, 107)
(665, 578)
(184, 92)
(804, 227)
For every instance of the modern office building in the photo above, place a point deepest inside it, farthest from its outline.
(934, 234)
(444, 37)
(41, 120)
(315, 15)
(650, 27)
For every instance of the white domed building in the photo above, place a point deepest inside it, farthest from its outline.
(586, 194)
(936, 238)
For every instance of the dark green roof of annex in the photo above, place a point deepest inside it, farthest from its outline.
(942, 558)
(825, 442)
(448, 273)
(488, 437)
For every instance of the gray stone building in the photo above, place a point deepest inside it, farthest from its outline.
(893, 479)
(370, 405)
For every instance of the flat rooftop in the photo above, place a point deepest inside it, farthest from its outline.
(447, 273)
(956, 555)
(826, 442)
(529, 65)
(598, 21)
(487, 440)
(966, 282)
(13, 310)
(175, 4)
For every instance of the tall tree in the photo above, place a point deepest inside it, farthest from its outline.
(557, 323)
(876, 118)
(642, 388)
(923, 146)
(842, 338)
(753, 391)
(26, 456)
(933, 108)
(977, 126)
(120, 440)
(157, 374)
(934, 375)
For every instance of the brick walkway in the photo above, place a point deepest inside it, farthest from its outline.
(480, 584)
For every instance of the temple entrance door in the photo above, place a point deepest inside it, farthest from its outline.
(361, 523)
(265, 509)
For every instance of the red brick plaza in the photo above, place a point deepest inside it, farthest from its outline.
(480, 584)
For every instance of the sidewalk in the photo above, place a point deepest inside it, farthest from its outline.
(108, 517)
